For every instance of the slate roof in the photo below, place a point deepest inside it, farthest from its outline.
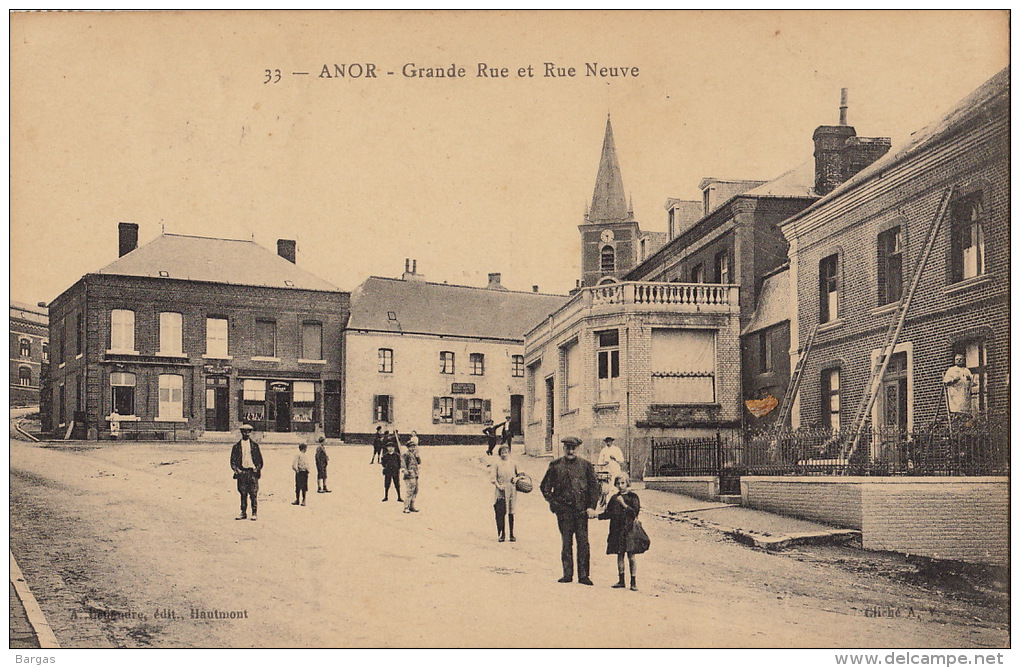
(210, 260)
(798, 182)
(774, 303)
(29, 313)
(608, 202)
(452, 310)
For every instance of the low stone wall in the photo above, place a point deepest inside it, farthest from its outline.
(957, 518)
(700, 487)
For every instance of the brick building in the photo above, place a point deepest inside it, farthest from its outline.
(632, 359)
(443, 360)
(853, 255)
(191, 335)
(29, 352)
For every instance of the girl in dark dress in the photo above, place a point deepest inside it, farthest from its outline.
(621, 511)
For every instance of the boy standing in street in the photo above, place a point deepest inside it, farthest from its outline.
(300, 467)
(409, 462)
(321, 461)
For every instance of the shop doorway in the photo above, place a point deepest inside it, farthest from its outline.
(283, 413)
(217, 404)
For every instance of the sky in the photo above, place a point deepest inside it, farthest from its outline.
(167, 120)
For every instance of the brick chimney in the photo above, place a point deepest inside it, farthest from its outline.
(411, 271)
(287, 249)
(534, 288)
(494, 282)
(840, 153)
(127, 237)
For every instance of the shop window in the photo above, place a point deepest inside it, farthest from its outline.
(828, 288)
(171, 333)
(253, 397)
(311, 340)
(171, 397)
(216, 344)
(122, 331)
(304, 401)
(518, 366)
(265, 338)
(608, 362)
(968, 237)
(477, 361)
(890, 266)
(382, 408)
(683, 363)
(446, 362)
(442, 410)
(385, 360)
(830, 398)
(122, 386)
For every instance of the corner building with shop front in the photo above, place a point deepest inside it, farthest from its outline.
(186, 336)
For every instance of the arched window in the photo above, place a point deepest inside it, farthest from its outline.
(25, 376)
(26, 348)
(608, 259)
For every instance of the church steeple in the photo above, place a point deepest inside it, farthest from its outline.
(608, 203)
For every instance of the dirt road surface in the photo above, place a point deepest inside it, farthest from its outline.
(135, 545)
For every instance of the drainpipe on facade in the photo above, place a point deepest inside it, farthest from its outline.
(626, 333)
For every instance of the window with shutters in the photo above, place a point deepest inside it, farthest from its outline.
(171, 397)
(216, 344)
(171, 333)
(122, 391)
(265, 338)
(608, 259)
(122, 331)
(477, 408)
(382, 408)
(442, 410)
(311, 340)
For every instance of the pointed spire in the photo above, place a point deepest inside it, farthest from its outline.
(608, 203)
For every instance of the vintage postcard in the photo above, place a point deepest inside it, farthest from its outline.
(511, 329)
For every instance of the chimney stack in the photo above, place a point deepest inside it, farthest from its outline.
(494, 282)
(840, 153)
(127, 236)
(842, 105)
(411, 271)
(534, 288)
(287, 249)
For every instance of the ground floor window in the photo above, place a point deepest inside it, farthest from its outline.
(442, 410)
(253, 394)
(382, 408)
(683, 365)
(304, 401)
(171, 397)
(122, 390)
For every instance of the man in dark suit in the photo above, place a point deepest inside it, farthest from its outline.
(572, 491)
(246, 462)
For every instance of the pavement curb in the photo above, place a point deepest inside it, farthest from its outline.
(36, 619)
(768, 542)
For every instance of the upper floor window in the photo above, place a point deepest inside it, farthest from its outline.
(26, 348)
(518, 366)
(311, 340)
(171, 397)
(265, 338)
(698, 273)
(722, 267)
(385, 360)
(828, 288)
(122, 391)
(79, 328)
(968, 237)
(890, 266)
(45, 352)
(25, 376)
(122, 330)
(608, 259)
(446, 362)
(764, 351)
(171, 333)
(216, 344)
(477, 361)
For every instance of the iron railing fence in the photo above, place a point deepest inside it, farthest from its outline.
(961, 451)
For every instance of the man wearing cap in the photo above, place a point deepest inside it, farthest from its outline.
(246, 461)
(572, 491)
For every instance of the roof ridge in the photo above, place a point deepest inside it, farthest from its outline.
(200, 236)
(470, 287)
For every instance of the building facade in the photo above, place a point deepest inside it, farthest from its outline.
(29, 338)
(854, 255)
(442, 360)
(192, 335)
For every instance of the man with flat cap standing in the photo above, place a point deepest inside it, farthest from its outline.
(246, 461)
(572, 491)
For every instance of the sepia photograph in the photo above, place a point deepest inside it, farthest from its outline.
(511, 330)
